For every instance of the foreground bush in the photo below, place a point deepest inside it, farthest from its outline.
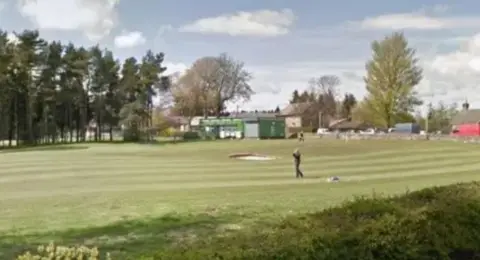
(54, 252)
(436, 223)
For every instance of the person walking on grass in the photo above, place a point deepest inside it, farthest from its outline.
(301, 138)
(297, 159)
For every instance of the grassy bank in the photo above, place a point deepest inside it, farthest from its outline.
(134, 200)
(434, 223)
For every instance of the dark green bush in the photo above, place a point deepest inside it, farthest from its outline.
(431, 224)
(191, 136)
(436, 223)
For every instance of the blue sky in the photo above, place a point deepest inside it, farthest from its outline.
(283, 43)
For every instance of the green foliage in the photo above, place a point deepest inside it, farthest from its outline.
(436, 223)
(295, 97)
(391, 77)
(348, 103)
(55, 252)
(191, 136)
(53, 91)
(439, 118)
(133, 134)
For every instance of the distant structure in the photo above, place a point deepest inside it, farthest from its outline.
(466, 122)
(465, 105)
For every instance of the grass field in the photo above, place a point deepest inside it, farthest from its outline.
(124, 196)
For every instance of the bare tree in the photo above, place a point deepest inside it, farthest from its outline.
(202, 77)
(221, 79)
(188, 96)
(325, 88)
(326, 84)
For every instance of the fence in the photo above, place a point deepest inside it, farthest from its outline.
(406, 137)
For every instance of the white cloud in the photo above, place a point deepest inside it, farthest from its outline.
(2, 6)
(464, 60)
(274, 84)
(456, 75)
(257, 23)
(12, 38)
(129, 39)
(419, 20)
(95, 18)
(175, 68)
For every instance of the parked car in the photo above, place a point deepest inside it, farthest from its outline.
(322, 131)
(369, 131)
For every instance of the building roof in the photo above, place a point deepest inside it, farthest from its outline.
(253, 115)
(295, 109)
(470, 116)
(336, 122)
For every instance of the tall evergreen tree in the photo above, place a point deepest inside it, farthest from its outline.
(295, 97)
(51, 92)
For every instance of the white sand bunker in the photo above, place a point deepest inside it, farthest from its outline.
(251, 157)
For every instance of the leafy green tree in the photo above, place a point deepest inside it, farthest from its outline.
(51, 92)
(439, 117)
(151, 83)
(392, 74)
(348, 103)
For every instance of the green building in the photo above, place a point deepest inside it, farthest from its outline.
(223, 127)
(245, 125)
(263, 125)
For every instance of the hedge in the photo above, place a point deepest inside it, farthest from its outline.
(431, 224)
(436, 223)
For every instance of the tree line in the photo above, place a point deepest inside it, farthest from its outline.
(392, 75)
(53, 92)
(323, 100)
(57, 92)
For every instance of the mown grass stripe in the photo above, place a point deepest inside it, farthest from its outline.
(75, 189)
(238, 173)
(188, 166)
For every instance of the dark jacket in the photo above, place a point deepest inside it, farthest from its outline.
(297, 158)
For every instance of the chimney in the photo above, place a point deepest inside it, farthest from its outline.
(465, 105)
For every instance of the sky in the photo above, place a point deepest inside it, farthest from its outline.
(282, 43)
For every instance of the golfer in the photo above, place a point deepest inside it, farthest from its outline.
(297, 160)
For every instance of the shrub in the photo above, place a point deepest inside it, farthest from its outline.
(55, 252)
(436, 223)
(431, 224)
(191, 136)
(168, 132)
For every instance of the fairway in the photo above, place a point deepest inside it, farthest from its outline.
(101, 183)
(55, 189)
